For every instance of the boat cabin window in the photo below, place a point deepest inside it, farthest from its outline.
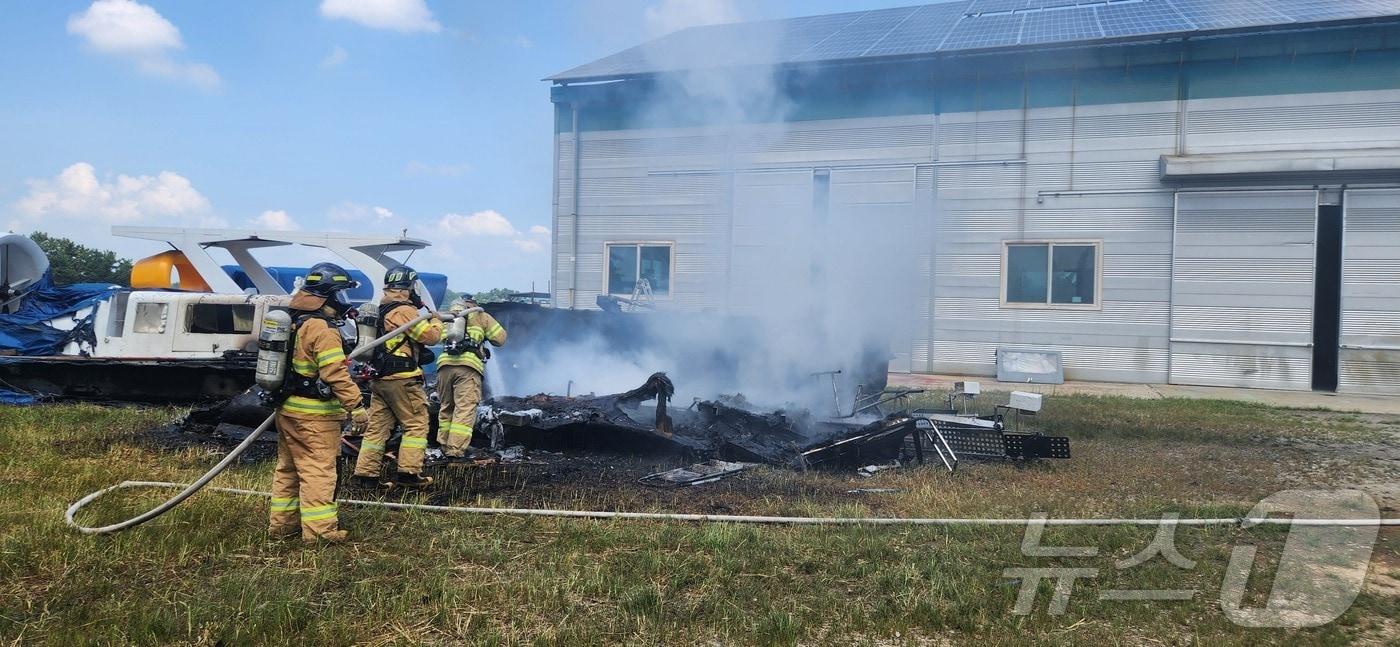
(150, 318)
(116, 314)
(219, 318)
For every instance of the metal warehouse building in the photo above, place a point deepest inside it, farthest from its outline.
(1165, 191)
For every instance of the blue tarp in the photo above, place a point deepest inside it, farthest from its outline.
(16, 397)
(26, 332)
(287, 276)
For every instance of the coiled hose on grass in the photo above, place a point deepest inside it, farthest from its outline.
(204, 480)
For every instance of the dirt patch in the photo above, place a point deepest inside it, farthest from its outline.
(1368, 460)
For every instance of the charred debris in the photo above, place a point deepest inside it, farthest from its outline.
(724, 434)
(730, 428)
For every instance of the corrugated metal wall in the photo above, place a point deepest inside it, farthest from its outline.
(771, 215)
(1370, 354)
(1085, 172)
(982, 206)
(736, 202)
(1242, 289)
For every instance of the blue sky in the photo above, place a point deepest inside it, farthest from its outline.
(359, 115)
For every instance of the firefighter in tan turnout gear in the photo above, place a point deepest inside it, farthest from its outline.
(461, 367)
(397, 393)
(317, 396)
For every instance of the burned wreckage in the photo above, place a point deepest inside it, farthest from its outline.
(730, 428)
(724, 434)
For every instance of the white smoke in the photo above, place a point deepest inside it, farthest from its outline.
(823, 275)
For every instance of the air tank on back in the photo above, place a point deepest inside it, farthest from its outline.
(366, 325)
(273, 351)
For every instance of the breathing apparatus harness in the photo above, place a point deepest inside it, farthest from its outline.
(277, 344)
(308, 386)
(386, 361)
(458, 342)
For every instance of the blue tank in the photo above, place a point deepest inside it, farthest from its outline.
(436, 284)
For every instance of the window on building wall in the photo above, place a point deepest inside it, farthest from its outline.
(1051, 274)
(628, 262)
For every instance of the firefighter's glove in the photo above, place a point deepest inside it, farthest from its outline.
(359, 421)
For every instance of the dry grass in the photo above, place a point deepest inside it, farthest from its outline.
(206, 573)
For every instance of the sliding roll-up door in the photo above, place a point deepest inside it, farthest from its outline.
(1370, 354)
(770, 250)
(1242, 289)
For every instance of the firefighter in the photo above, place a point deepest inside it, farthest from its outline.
(317, 395)
(460, 370)
(396, 392)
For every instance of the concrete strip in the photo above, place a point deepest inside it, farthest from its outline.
(1285, 399)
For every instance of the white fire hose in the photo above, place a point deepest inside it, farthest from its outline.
(760, 519)
(223, 464)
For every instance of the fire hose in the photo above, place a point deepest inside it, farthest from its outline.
(232, 456)
(773, 520)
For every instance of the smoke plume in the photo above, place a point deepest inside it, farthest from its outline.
(820, 272)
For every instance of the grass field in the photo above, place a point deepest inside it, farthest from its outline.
(207, 573)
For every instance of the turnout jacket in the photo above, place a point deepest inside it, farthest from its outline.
(426, 332)
(481, 328)
(320, 353)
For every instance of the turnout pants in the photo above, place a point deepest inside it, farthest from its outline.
(459, 391)
(303, 483)
(391, 401)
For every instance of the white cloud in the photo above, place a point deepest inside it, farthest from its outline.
(528, 245)
(674, 15)
(417, 168)
(139, 33)
(77, 192)
(399, 15)
(356, 213)
(539, 230)
(482, 223)
(524, 42)
(277, 220)
(199, 74)
(125, 27)
(335, 58)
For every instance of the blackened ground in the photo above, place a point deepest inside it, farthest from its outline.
(604, 480)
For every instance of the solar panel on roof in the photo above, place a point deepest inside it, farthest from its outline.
(977, 32)
(853, 39)
(921, 32)
(989, 6)
(1214, 14)
(799, 35)
(1078, 23)
(1305, 10)
(963, 25)
(1140, 18)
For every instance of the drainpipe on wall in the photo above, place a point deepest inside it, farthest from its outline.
(573, 240)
